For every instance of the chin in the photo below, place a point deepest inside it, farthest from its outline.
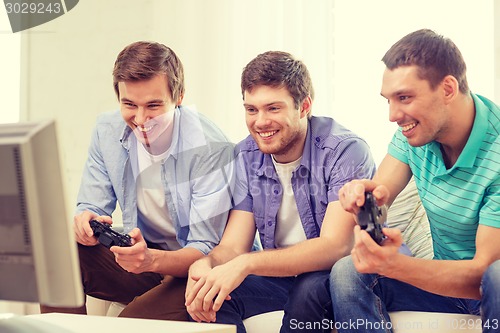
(267, 150)
(417, 143)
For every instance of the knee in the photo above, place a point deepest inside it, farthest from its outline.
(343, 276)
(313, 285)
(309, 298)
(343, 271)
(490, 283)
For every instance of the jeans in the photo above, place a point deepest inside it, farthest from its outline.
(304, 298)
(309, 305)
(490, 298)
(361, 302)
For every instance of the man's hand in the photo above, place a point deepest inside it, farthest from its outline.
(209, 292)
(369, 257)
(81, 226)
(136, 258)
(352, 194)
(198, 272)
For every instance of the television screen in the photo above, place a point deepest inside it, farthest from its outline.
(38, 253)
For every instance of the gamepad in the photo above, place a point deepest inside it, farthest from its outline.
(107, 236)
(372, 218)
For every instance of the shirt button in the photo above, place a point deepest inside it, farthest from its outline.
(317, 139)
(270, 223)
(276, 192)
(437, 181)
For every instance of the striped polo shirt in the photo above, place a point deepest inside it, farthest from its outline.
(458, 199)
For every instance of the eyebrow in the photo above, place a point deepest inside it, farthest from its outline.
(154, 101)
(397, 93)
(267, 104)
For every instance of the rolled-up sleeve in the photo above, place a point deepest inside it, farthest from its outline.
(210, 183)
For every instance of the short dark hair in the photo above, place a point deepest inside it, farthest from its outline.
(144, 60)
(435, 56)
(278, 69)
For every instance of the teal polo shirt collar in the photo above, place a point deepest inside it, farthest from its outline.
(476, 137)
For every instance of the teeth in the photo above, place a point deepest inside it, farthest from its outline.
(267, 134)
(408, 127)
(144, 129)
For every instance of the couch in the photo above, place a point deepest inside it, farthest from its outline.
(408, 215)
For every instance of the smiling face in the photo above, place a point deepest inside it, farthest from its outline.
(276, 125)
(420, 111)
(147, 108)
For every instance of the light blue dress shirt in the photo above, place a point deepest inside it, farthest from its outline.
(196, 175)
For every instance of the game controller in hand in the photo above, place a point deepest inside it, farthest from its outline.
(107, 236)
(372, 218)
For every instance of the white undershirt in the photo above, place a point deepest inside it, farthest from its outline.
(289, 229)
(151, 204)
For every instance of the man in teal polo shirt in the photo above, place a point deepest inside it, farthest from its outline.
(448, 141)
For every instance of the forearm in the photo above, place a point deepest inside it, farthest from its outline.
(454, 278)
(175, 263)
(220, 255)
(311, 255)
(315, 254)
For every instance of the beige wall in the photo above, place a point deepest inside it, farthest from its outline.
(496, 61)
(66, 72)
(67, 63)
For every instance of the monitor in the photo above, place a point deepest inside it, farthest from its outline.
(38, 252)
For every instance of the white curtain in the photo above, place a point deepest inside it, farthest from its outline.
(216, 39)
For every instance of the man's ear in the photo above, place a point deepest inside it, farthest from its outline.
(305, 107)
(179, 99)
(450, 88)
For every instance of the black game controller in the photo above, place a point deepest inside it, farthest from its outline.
(107, 236)
(372, 218)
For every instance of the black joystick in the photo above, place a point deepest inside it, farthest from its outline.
(372, 218)
(109, 237)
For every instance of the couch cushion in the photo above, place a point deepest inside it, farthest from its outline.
(408, 215)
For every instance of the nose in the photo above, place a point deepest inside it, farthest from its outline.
(141, 116)
(394, 112)
(262, 119)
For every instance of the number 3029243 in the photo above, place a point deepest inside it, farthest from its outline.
(33, 7)
(465, 324)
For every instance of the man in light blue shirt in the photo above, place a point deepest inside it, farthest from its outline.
(169, 168)
(289, 171)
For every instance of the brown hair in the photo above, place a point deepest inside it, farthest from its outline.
(435, 56)
(144, 60)
(278, 69)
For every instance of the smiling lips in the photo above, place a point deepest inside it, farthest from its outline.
(408, 127)
(267, 134)
(144, 129)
